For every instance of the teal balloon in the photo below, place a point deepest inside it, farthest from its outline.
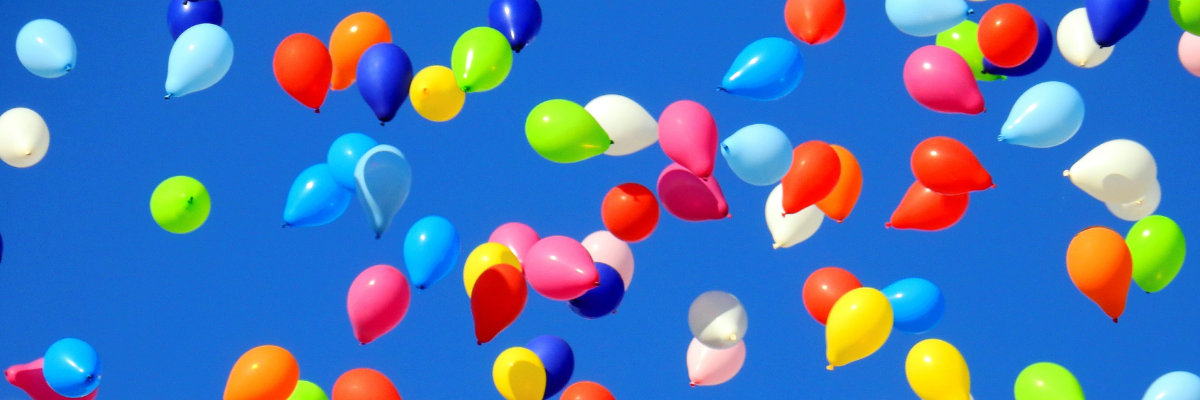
(383, 179)
(767, 69)
(924, 18)
(199, 59)
(917, 305)
(71, 368)
(1178, 385)
(1047, 115)
(431, 250)
(344, 154)
(46, 48)
(315, 198)
(759, 154)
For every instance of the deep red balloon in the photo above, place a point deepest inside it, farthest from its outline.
(303, 68)
(813, 175)
(497, 300)
(630, 212)
(947, 166)
(927, 210)
(1008, 35)
(824, 287)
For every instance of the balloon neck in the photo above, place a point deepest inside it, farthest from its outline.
(466, 89)
(610, 141)
(1000, 138)
(168, 97)
(285, 224)
(316, 111)
(478, 343)
(377, 236)
(721, 89)
(90, 378)
(693, 384)
(517, 49)
(775, 246)
(1067, 173)
(69, 66)
(829, 367)
(380, 123)
(887, 225)
(970, 11)
(1114, 320)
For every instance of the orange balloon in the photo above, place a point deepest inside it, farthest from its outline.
(497, 300)
(263, 373)
(350, 39)
(814, 21)
(813, 175)
(927, 210)
(838, 204)
(630, 212)
(587, 391)
(364, 384)
(1100, 265)
(303, 68)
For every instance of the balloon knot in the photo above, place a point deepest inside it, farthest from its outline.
(970, 11)
(829, 367)
(420, 288)
(775, 246)
(721, 89)
(1066, 172)
(838, 220)
(596, 283)
(285, 224)
(887, 225)
(993, 186)
(1000, 138)
(380, 123)
(191, 200)
(316, 111)
(693, 384)
(68, 67)
(168, 97)
(728, 215)
(377, 236)
(478, 343)
(610, 141)
(1114, 320)
(614, 312)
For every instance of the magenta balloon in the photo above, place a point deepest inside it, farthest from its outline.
(560, 268)
(29, 377)
(690, 198)
(377, 302)
(688, 134)
(517, 237)
(708, 367)
(939, 79)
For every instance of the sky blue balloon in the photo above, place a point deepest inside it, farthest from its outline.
(46, 48)
(1178, 385)
(924, 18)
(916, 303)
(760, 154)
(430, 250)
(518, 20)
(315, 198)
(384, 74)
(1041, 54)
(1047, 115)
(558, 360)
(1111, 20)
(344, 154)
(184, 14)
(383, 179)
(199, 59)
(767, 69)
(601, 300)
(71, 367)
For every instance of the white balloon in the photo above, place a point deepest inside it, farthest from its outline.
(789, 230)
(630, 126)
(606, 248)
(1142, 208)
(1118, 171)
(717, 319)
(1076, 43)
(24, 137)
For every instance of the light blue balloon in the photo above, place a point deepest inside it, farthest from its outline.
(1047, 115)
(199, 59)
(916, 303)
(383, 179)
(46, 48)
(767, 69)
(71, 368)
(315, 198)
(344, 154)
(924, 18)
(1178, 385)
(430, 250)
(760, 154)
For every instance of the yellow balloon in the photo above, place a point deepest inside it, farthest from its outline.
(484, 257)
(937, 371)
(435, 94)
(519, 375)
(858, 325)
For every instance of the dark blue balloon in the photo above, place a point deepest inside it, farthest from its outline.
(1041, 54)
(184, 14)
(557, 358)
(518, 20)
(384, 74)
(601, 300)
(1113, 19)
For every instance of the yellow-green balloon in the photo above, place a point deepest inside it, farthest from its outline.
(1158, 248)
(481, 59)
(962, 38)
(306, 390)
(1047, 381)
(1187, 14)
(564, 132)
(180, 204)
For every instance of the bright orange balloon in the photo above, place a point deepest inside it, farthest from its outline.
(303, 68)
(630, 212)
(927, 210)
(838, 204)
(947, 166)
(813, 175)
(814, 21)
(350, 39)
(587, 391)
(1100, 265)
(263, 373)
(497, 300)
(1007, 35)
(364, 384)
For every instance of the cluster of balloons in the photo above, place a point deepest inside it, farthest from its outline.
(180, 204)
(1122, 174)
(203, 52)
(70, 369)
(535, 372)
(717, 352)
(46, 48)
(1101, 263)
(946, 172)
(821, 179)
(272, 373)
(24, 137)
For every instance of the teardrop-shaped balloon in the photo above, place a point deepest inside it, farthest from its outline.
(939, 79)
(485, 256)
(709, 367)
(560, 268)
(814, 21)
(71, 367)
(688, 134)
(947, 166)
(1046, 115)
(923, 18)
(1101, 266)
(199, 59)
(812, 176)
(481, 60)
(517, 237)
(718, 319)
(1112, 20)
(630, 127)
(182, 15)
(606, 248)
(558, 361)
(29, 377)
(690, 198)
(964, 40)
(1140, 208)
(1076, 42)
(46, 48)
(564, 132)
(344, 154)
(431, 250)
(263, 373)
(315, 198)
(1008, 35)
(383, 179)
(767, 69)
(519, 375)
(927, 210)
(497, 299)
(1117, 171)
(302, 66)
(788, 230)
(759, 154)
(1041, 54)
(858, 325)
(377, 302)
(364, 384)
(1157, 247)
(916, 303)
(823, 288)
(435, 94)
(601, 300)
(1047, 381)
(518, 20)
(24, 137)
(1178, 385)
(384, 75)
(937, 371)
(840, 202)
(352, 36)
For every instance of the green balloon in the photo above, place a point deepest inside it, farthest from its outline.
(1187, 14)
(180, 204)
(564, 132)
(481, 59)
(963, 40)
(306, 390)
(1047, 381)
(1158, 247)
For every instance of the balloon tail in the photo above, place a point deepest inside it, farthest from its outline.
(610, 141)
(693, 384)
(969, 12)
(478, 343)
(775, 246)
(285, 224)
(829, 367)
(69, 67)
(721, 89)
(993, 186)
(317, 110)
(168, 97)
(380, 123)
(377, 235)
(887, 225)
(1114, 320)
(1067, 173)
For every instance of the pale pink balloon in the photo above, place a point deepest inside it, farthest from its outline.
(29, 378)
(1189, 52)
(377, 302)
(606, 248)
(939, 79)
(559, 268)
(708, 367)
(690, 198)
(517, 237)
(688, 134)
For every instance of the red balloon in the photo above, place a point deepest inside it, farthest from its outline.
(824, 287)
(927, 210)
(364, 384)
(497, 300)
(947, 166)
(814, 21)
(630, 212)
(304, 69)
(587, 391)
(814, 173)
(1008, 35)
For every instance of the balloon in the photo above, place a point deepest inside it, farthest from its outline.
(302, 67)
(560, 268)
(180, 204)
(927, 210)
(759, 154)
(24, 137)
(1186, 14)
(1008, 35)
(1157, 247)
(344, 154)
(182, 15)
(709, 367)
(630, 212)
(71, 368)
(1045, 46)
(497, 299)
(483, 257)
(814, 21)
(690, 198)
(384, 76)
(29, 377)
(858, 325)
(1047, 115)
(939, 79)
(717, 320)
(688, 134)
(963, 39)
(1178, 385)
(923, 18)
(431, 250)
(315, 198)
(1117, 171)
(788, 230)
(519, 375)
(824, 287)
(306, 390)
(1112, 20)
(352, 36)
(377, 302)
(947, 166)
(630, 127)
(435, 94)
(601, 300)
(557, 360)
(517, 237)
(767, 69)
(937, 371)
(608, 249)
(264, 373)
(916, 303)
(563, 132)
(588, 391)
(383, 179)
(1101, 266)
(838, 204)
(46, 48)
(1047, 381)
(481, 59)
(518, 20)
(1076, 43)
(364, 384)
(199, 59)
(814, 173)
(1140, 208)
(1189, 53)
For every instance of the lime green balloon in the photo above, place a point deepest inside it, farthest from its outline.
(1158, 248)
(1047, 381)
(481, 59)
(962, 38)
(564, 132)
(180, 204)
(1187, 14)
(306, 390)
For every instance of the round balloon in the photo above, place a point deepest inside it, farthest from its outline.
(630, 212)
(606, 248)
(923, 18)
(560, 268)
(964, 40)
(519, 375)
(344, 154)
(180, 204)
(1117, 171)
(717, 319)
(1178, 385)
(927, 210)
(71, 367)
(947, 166)
(917, 304)
(518, 20)
(1076, 42)
(384, 78)
(557, 360)
(1189, 53)
(435, 94)
(814, 21)
(689, 197)
(352, 36)
(1047, 381)
(601, 300)
(937, 371)
(813, 174)
(364, 384)
(182, 15)
(586, 390)
(840, 202)
(1046, 115)
(24, 137)
(315, 198)
(759, 154)
(1157, 247)
(306, 390)
(517, 237)
(263, 373)
(46, 48)
(941, 80)
(823, 288)
(1112, 20)
(497, 300)
(384, 178)
(564, 132)
(1008, 35)
(483, 257)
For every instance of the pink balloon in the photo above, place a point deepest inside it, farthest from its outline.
(29, 378)
(517, 237)
(708, 367)
(606, 248)
(690, 198)
(377, 302)
(1189, 52)
(939, 79)
(688, 134)
(560, 268)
